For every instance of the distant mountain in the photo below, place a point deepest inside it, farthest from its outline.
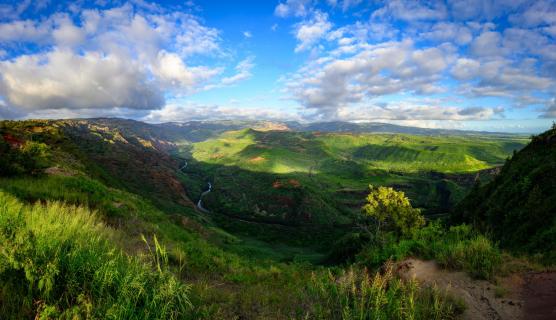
(519, 206)
(372, 127)
(198, 130)
(195, 131)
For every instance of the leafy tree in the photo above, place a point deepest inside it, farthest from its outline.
(390, 210)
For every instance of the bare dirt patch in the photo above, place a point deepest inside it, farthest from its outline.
(257, 159)
(59, 171)
(539, 294)
(479, 296)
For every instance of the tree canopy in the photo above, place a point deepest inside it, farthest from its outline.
(391, 211)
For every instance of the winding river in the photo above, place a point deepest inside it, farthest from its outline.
(200, 202)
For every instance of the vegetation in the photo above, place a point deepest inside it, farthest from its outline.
(57, 262)
(518, 207)
(391, 211)
(98, 221)
(353, 294)
(456, 248)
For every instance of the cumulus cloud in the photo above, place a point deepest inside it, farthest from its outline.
(466, 69)
(536, 13)
(122, 57)
(61, 79)
(448, 31)
(487, 44)
(309, 32)
(393, 67)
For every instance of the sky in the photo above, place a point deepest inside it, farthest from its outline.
(473, 65)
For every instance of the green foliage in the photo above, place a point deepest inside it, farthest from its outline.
(355, 294)
(56, 262)
(519, 206)
(458, 247)
(392, 211)
(28, 158)
(279, 201)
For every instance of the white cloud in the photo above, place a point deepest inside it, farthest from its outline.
(173, 72)
(447, 31)
(247, 34)
(409, 10)
(310, 32)
(410, 111)
(24, 31)
(537, 13)
(122, 57)
(297, 8)
(487, 44)
(193, 111)
(61, 79)
(243, 70)
(328, 85)
(466, 69)
(347, 4)
(66, 33)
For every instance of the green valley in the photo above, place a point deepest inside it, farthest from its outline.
(99, 218)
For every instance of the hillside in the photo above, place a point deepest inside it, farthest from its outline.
(92, 211)
(329, 173)
(519, 206)
(81, 237)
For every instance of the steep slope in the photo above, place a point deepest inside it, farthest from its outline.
(519, 206)
(76, 243)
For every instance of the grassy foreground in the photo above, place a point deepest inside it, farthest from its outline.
(57, 261)
(60, 260)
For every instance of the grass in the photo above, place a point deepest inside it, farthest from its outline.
(286, 152)
(244, 164)
(355, 294)
(457, 248)
(57, 261)
(83, 269)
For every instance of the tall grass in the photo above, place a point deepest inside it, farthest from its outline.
(355, 294)
(458, 248)
(56, 261)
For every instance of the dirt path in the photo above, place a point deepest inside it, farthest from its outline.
(524, 296)
(539, 293)
(479, 296)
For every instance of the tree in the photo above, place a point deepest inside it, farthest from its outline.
(390, 210)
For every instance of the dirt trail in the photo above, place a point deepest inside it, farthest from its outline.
(527, 296)
(539, 293)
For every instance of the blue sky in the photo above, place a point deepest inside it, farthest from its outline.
(478, 65)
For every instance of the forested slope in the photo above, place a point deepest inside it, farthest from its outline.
(519, 206)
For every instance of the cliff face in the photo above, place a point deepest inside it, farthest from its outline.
(519, 206)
